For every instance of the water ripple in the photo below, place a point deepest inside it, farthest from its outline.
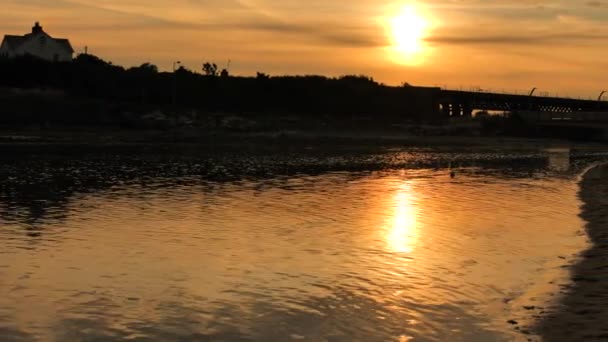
(188, 250)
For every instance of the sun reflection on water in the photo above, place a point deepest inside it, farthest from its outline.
(403, 231)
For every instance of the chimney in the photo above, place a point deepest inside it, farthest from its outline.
(37, 28)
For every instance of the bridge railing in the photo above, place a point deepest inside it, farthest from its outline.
(504, 91)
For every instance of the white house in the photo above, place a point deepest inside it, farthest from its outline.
(39, 44)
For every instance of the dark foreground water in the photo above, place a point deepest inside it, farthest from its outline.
(370, 247)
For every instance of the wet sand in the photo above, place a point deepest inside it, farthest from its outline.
(582, 314)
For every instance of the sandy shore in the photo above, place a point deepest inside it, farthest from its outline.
(582, 314)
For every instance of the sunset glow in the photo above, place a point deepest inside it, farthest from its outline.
(558, 47)
(408, 30)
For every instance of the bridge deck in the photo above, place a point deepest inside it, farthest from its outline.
(462, 103)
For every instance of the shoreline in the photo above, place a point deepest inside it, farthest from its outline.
(120, 136)
(582, 312)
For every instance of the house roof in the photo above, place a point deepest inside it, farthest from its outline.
(14, 42)
(65, 43)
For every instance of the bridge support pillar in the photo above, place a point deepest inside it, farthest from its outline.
(457, 110)
(467, 111)
(445, 110)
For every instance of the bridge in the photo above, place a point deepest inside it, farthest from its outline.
(456, 103)
(547, 116)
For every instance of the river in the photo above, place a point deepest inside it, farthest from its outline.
(384, 246)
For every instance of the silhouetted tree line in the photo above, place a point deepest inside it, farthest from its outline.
(96, 89)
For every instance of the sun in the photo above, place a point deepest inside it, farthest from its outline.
(408, 30)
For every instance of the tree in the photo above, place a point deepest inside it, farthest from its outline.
(262, 76)
(210, 69)
(145, 68)
(149, 68)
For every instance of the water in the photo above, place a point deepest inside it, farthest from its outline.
(113, 247)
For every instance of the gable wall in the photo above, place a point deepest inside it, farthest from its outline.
(5, 51)
(43, 46)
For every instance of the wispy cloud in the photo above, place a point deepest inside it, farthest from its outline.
(519, 39)
(597, 4)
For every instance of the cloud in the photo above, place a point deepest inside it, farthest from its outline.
(321, 32)
(216, 17)
(519, 39)
(596, 4)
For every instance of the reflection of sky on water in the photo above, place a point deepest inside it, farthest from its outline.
(349, 256)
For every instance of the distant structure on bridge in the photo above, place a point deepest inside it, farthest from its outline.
(39, 44)
(543, 115)
(454, 103)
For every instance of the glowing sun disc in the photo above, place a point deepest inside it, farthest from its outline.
(408, 30)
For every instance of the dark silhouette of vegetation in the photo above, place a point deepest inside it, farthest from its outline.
(89, 90)
(210, 69)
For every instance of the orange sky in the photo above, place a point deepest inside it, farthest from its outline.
(558, 46)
